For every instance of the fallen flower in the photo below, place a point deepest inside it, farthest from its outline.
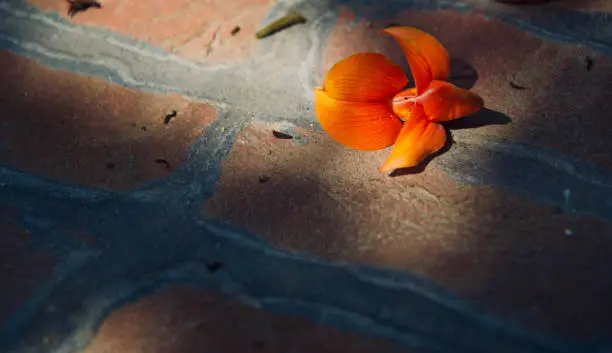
(362, 106)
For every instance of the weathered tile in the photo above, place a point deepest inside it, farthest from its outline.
(195, 30)
(23, 266)
(586, 5)
(556, 95)
(512, 256)
(184, 319)
(84, 130)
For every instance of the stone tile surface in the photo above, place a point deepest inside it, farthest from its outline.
(498, 243)
(84, 130)
(518, 258)
(24, 267)
(538, 5)
(587, 5)
(186, 320)
(195, 30)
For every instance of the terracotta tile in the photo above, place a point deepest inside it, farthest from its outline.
(184, 319)
(539, 5)
(510, 255)
(195, 30)
(586, 5)
(23, 267)
(563, 106)
(84, 130)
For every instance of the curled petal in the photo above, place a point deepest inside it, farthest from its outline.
(364, 126)
(427, 57)
(444, 101)
(418, 139)
(405, 103)
(364, 77)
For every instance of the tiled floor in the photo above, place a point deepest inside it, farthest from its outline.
(147, 205)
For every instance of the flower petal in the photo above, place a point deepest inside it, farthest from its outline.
(364, 77)
(418, 139)
(364, 126)
(444, 101)
(427, 57)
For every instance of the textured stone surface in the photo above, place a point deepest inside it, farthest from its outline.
(518, 258)
(587, 5)
(559, 103)
(23, 266)
(195, 30)
(84, 130)
(500, 242)
(185, 320)
(539, 5)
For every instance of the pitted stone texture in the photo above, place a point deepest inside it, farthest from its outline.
(562, 106)
(23, 266)
(195, 30)
(586, 5)
(84, 130)
(531, 6)
(510, 255)
(185, 320)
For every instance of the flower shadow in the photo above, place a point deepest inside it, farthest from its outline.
(483, 117)
(462, 73)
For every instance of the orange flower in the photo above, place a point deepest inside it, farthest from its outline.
(362, 106)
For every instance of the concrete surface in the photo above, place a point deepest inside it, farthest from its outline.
(206, 233)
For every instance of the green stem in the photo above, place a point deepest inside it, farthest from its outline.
(280, 24)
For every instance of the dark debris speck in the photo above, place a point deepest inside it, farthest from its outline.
(236, 30)
(264, 179)
(77, 6)
(516, 86)
(164, 162)
(281, 135)
(110, 165)
(169, 117)
(588, 61)
(214, 266)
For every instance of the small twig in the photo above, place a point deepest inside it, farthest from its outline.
(286, 21)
